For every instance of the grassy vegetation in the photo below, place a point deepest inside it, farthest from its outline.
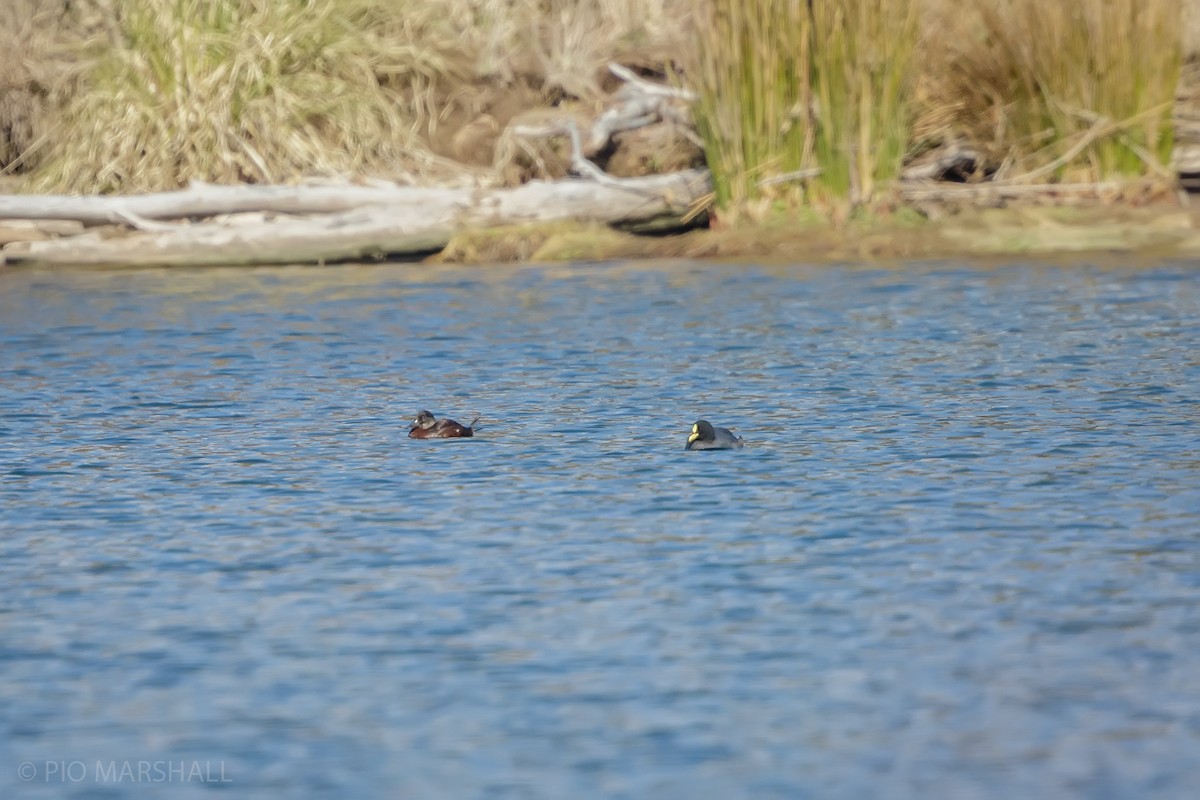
(26, 59)
(787, 85)
(237, 91)
(1077, 90)
(166, 91)
(130, 95)
(750, 68)
(862, 58)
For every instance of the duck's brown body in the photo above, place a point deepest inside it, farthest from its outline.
(426, 426)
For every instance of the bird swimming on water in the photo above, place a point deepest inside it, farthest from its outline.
(427, 426)
(707, 437)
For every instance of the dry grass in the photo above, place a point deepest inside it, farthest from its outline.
(129, 95)
(29, 66)
(567, 43)
(251, 90)
(1077, 90)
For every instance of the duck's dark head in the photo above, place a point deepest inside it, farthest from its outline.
(425, 419)
(702, 431)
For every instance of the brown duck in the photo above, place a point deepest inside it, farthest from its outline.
(427, 426)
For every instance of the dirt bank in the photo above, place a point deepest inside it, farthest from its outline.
(1162, 230)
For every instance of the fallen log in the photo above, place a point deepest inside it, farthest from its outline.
(207, 200)
(923, 191)
(31, 230)
(398, 221)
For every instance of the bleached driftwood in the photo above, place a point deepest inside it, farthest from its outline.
(995, 191)
(32, 230)
(207, 224)
(941, 162)
(640, 103)
(393, 221)
(206, 200)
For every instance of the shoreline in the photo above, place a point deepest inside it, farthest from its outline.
(496, 183)
(658, 217)
(1159, 231)
(991, 234)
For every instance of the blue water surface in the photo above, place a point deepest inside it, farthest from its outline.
(959, 556)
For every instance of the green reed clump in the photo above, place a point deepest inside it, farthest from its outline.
(235, 90)
(862, 80)
(786, 85)
(750, 68)
(1074, 90)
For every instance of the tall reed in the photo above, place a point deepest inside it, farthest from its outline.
(750, 67)
(792, 84)
(1072, 90)
(862, 82)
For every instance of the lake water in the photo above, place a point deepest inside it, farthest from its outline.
(959, 556)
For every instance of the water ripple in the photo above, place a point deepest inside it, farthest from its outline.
(957, 556)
